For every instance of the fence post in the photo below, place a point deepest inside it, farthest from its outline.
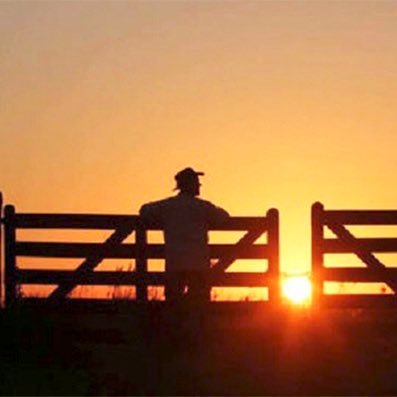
(1, 250)
(10, 262)
(317, 252)
(141, 262)
(273, 237)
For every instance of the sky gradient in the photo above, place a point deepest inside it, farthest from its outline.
(281, 104)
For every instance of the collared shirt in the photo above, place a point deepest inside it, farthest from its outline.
(185, 220)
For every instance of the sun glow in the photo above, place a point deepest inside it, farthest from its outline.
(297, 289)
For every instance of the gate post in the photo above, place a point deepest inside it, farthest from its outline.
(317, 252)
(1, 250)
(273, 236)
(141, 262)
(10, 262)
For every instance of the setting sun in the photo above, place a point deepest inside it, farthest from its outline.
(297, 289)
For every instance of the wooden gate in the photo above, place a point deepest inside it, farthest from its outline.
(364, 248)
(93, 254)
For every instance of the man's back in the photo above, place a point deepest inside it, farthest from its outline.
(185, 220)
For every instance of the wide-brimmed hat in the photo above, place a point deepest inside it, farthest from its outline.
(186, 177)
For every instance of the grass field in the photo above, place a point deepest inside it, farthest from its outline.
(251, 352)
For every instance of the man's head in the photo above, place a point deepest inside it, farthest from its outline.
(187, 181)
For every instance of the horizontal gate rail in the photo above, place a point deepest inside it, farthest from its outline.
(99, 221)
(360, 217)
(235, 279)
(125, 251)
(384, 245)
(92, 254)
(364, 248)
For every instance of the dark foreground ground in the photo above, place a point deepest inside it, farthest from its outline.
(253, 352)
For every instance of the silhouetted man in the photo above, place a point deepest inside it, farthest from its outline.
(185, 219)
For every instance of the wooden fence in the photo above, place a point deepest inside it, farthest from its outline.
(346, 243)
(92, 254)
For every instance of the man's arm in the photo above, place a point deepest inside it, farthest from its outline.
(217, 214)
(151, 213)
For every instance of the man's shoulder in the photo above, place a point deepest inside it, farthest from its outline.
(160, 202)
(156, 204)
(204, 202)
(213, 211)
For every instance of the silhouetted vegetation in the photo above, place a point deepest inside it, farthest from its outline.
(250, 352)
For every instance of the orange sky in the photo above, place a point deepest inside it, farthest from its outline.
(280, 103)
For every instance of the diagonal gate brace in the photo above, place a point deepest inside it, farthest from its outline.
(248, 239)
(363, 253)
(92, 261)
